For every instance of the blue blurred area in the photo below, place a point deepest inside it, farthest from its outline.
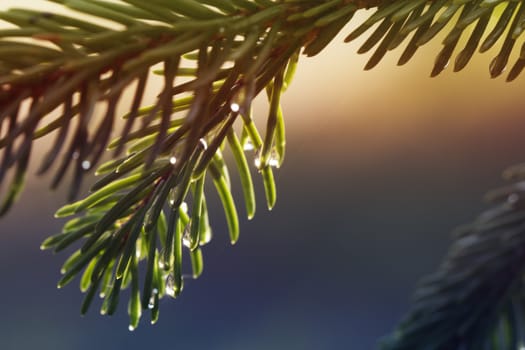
(331, 267)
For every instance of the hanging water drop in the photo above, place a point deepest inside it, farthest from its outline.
(186, 241)
(151, 303)
(248, 145)
(86, 164)
(170, 291)
(205, 237)
(243, 95)
(272, 161)
(235, 107)
(173, 160)
(257, 159)
(170, 288)
(131, 328)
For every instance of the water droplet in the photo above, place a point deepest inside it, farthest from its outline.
(131, 328)
(170, 288)
(186, 236)
(151, 303)
(205, 237)
(273, 162)
(86, 164)
(274, 159)
(203, 143)
(235, 107)
(173, 160)
(248, 145)
(75, 155)
(161, 263)
(184, 207)
(137, 252)
(257, 159)
(155, 291)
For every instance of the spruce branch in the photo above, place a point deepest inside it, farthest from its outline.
(214, 58)
(476, 298)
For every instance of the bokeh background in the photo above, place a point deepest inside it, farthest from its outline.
(380, 167)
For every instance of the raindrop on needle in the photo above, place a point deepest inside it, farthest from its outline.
(248, 145)
(235, 107)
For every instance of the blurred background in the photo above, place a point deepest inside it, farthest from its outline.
(380, 167)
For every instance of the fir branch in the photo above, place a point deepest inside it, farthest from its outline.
(85, 53)
(216, 58)
(476, 298)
